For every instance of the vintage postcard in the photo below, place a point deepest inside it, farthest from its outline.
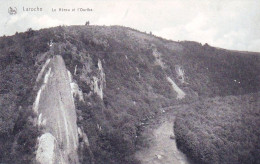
(129, 82)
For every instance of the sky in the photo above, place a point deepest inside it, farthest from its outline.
(229, 24)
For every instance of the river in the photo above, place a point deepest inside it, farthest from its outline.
(162, 145)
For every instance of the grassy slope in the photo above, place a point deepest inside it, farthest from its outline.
(221, 130)
(21, 57)
(222, 67)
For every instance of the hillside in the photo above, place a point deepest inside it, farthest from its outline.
(119, 77)
(221, 130)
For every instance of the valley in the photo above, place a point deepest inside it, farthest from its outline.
(115, 95)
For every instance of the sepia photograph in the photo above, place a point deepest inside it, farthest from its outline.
(130, 82)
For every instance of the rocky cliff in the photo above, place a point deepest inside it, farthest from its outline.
(56, 112)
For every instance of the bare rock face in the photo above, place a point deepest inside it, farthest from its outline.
(56, 109)
(46, 150)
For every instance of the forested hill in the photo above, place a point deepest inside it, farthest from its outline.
(122, 76)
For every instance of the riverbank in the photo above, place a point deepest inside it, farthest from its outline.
(160, 145)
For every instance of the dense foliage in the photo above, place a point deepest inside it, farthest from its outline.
(221, 130)
(17, 79)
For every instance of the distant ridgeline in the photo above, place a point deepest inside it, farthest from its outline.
(118, 77)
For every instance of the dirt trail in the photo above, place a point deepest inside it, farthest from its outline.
(162, 149)
(57, 116)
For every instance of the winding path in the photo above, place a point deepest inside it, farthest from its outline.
(163, 148)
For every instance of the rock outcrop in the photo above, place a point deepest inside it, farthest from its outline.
(56, 109)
